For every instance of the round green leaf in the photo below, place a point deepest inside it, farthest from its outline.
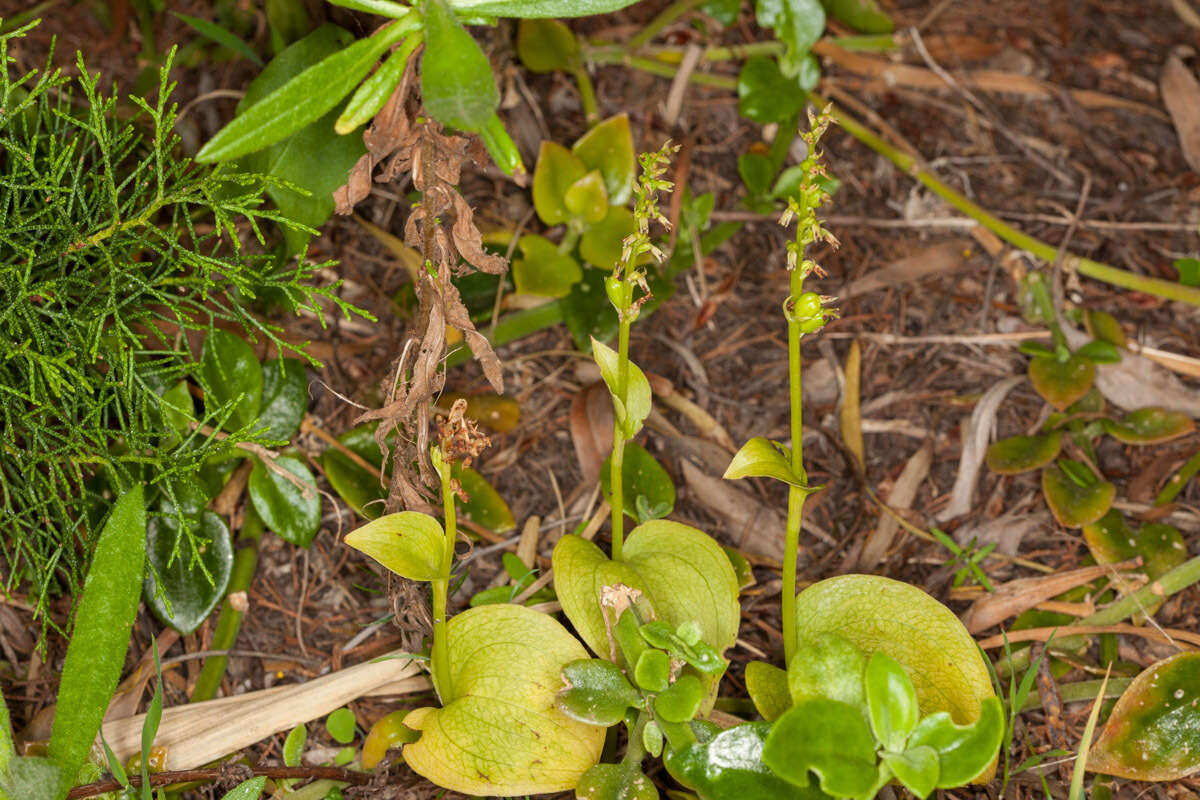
(542, 270)
(586, 198)
(408, 543)
(498, 732)
(1061, 383)
(547, 45)
(183, 590)
(602, 243)
(597, 692)
(284, 398)
(1018, 454)
(681, 700)
(876, 613)
(830, 666)
(653, 670)
(891, 700)
(608, 147)
(767, 686)
(829, 738)
(457, 84)
(1161, 546)
(916, 768)
(1149, 426)
(232, 377)
(765, 95)
(361, 489)
(341, 725)
(681, 571)
(1153, 733)
(730, 765)
(615, 782)
(292, 511)
(1073, 504)
(966, 753)
(642, 476)
(557, 168)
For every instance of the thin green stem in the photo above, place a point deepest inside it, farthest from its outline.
(796, 496)
(441, 586)
(569, 240)
(587, 96)
(656, 25)
(635, 749)
(618, 453)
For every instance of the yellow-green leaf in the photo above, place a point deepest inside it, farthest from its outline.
(608, 147)
(499, 732)
(542, 270)
(1061, 383)
(1018, 454)
(1149, 426)
(1072, 503)
(557, 168)
(586, 198)
(547, 45)
(638, 399)
(409, 543)
(601, 244)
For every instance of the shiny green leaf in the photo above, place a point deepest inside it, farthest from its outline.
(304, 99)
(762, 458)
(917, 768)
(373, 94)
(829, 738)
(797, 23)
(547, 45)
(293, 745)
(341, 725)
(284, 398)
(602, 243)
(615, 782)
(1074, 504)
(1018, 454)
(608, 147)
(103, 620)
(653, 670)
(182, 587)
(408, 543)
(877, 613)
(498, 731)
(689, 650)
(681, 700)
(291, 508)
(641, 477)
(1189, 270)
(232, 375)
(597, 692)
(1061, 383)
(966, 753)
(457, 84)
(891, 700)
(765, 95)
(741, 567)
(767, 686)
(1149, 426)
(830, 666)
(756, 171)
(1161, 546)
(484, 505)
(652, 739)
(730, 765)
(1153, 733)
(633, 412)
(586, 199)
(557, 169)
(542, 270)
(250, 789)
(864, 16)
(361, 489)
(1104, 326)
(388, 732)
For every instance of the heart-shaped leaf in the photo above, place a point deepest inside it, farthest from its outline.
(925, 637)
(681, 700)
(608, 147)
(615, 782)
(597, 692)
(602, 243)
(829, 738)
(829, 666)
(762, 458)
(484, 505)
(916, 768)
(499, 732)
(290, 506)
(1074, 503)
(1149, 426)
(1153, 733)
(1061, 383)
(586, 198)
(891, 700)
(642, 477)
(638, 398)
(457, 84)
(681, 571)
(284, 398)
(361, 489)
(182, 591)
(1018, 454)
(966, 753)
(543, 271)
(767, 686)
(408, 543)
(731, 765)
(557, 169)
(764, 94)
(547, 45)
(232, 376)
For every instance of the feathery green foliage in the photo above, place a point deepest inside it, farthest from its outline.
(113, 246)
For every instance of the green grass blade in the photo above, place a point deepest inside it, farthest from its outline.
(1085, 744)
(104, 618)
(211, 30)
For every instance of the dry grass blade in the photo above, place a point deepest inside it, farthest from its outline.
(1181, 95)
(851, 416)
(916, 469)
(975, 441)
(1014, 597)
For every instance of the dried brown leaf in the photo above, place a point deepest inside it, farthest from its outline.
(1181, 95)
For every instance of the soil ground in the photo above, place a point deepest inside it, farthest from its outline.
(1110, 183)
